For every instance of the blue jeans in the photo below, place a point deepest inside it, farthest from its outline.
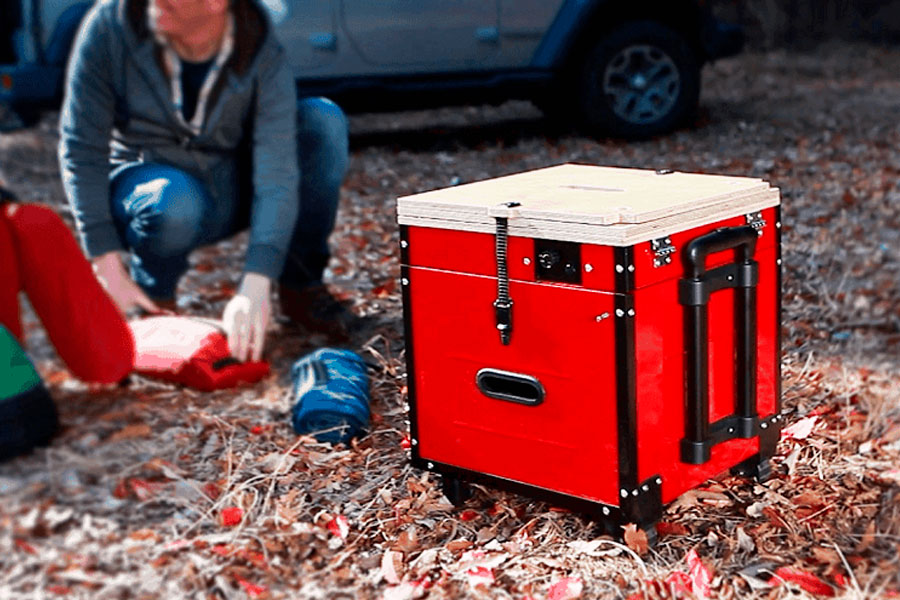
(163, 213)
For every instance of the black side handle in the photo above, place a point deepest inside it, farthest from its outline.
(694, 293)
(512, 387)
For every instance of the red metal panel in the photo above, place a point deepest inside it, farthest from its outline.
(660, 385)
(767, 325)
(567, 443)
(470, 252)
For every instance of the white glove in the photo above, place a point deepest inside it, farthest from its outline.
(246, 317)
(118, 284)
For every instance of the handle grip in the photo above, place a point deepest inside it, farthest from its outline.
(694, 293)
(742, 239)
(509, 386)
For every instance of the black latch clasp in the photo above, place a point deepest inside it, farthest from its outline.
(503, 303)
(503, 310)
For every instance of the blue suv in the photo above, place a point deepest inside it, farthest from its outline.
(629, 68)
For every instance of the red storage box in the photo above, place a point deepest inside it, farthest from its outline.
(601, 338)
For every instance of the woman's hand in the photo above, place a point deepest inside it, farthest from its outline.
(246, 317)
(127, 295)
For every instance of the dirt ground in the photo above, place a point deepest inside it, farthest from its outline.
(156, 491)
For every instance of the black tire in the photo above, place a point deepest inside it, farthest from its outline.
(640, 80)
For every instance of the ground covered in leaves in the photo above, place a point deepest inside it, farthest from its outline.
(156, 491)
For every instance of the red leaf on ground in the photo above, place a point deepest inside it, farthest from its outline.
(121, 489)
(807, 581)
(221, 549)
(468, 515)
(680, 582)
(59, 590)
(701, 577)
(406, 443)
(232, 515)
(339, 526)
(143, 490)
(253, 590)
(212, 490)
(665, 528)
(567, 588)
(25, 546)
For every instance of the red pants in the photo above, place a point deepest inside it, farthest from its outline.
(39, 256)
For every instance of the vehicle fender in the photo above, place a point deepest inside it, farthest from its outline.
(64, 31)
(580, 22)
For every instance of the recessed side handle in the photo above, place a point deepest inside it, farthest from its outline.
(512, 387)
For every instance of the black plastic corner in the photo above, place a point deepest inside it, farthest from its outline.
(642, 504)
(626, 369)
(405, 284)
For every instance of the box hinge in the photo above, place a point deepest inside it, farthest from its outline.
(756, 221)
(663, 249)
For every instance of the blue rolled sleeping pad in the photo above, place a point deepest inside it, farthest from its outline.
(331, 393)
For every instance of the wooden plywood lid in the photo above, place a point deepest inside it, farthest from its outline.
(567, 198)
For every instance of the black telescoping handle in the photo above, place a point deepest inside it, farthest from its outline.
(694, 293)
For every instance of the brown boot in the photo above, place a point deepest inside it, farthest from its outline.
(317, 311)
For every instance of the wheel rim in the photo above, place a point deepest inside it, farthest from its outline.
(641, 84)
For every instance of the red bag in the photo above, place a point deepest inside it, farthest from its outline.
(190, 351)
(39, 256)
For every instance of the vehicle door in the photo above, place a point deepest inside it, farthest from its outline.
(405, 36)
(523, 25)
(307, 31)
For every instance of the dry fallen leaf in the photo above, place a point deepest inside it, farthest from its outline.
(636, 539)
(131, 432)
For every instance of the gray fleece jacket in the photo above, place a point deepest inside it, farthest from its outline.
(118, 108)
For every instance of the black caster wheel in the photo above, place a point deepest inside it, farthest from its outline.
(652, 535)
(756, 467)
(763, 470)
(456, 490)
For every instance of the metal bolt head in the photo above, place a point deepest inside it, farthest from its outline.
(620, 269)
(404, 281)
(404, 244)
(430, 465)
(778, 262)
(526, 261)
(624, 493)
(620, 312)
(659, 481)
(668, 260)
(606, 510)
(588, 268)
(777, 224)
(414, 442)
(645, 487)
(630, 312)
(764, 425)
(631, 268)
(634, 493)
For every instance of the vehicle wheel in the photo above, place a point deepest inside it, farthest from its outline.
(640, 80)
